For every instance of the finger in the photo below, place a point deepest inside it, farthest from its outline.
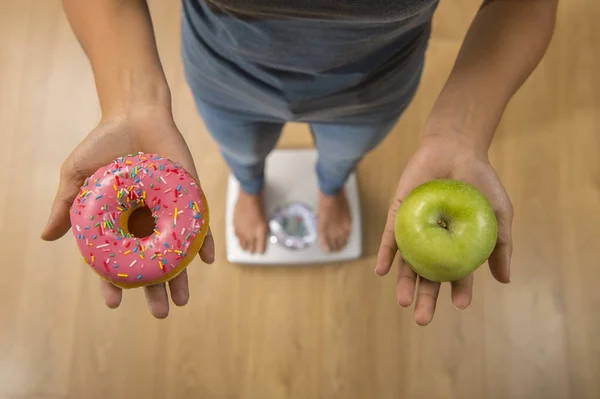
(462, 292)
(157, 300)
(405, 286)
(499, 261)
(252, 244)
(207, 252)
(427, 295)
(59, 221)
(112, 294)
(179, 288)
(387, 247)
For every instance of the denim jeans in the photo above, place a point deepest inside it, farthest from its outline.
(246, 141)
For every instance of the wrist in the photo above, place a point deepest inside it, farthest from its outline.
(458, 115)
(142, 119)
(441, 140)
(131, 92)
(444, 131)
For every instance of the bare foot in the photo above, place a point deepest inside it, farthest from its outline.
(250, 223)
(333, 221)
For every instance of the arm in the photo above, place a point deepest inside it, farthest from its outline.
(503, 46)
(118, 39)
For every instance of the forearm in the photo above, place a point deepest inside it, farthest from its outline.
(118, 39)
(503, 46)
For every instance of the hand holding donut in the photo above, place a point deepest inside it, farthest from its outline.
(148, 131)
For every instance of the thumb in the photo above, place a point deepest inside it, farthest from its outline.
(388, 248)
(59, 221)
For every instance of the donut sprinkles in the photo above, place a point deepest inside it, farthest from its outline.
(101, 210)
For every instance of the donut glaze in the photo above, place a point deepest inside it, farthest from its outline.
(99, 217)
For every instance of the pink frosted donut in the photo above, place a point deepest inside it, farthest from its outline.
(101, 211)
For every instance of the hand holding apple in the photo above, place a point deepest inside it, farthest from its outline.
(445, 165)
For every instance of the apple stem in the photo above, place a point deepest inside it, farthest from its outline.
(442, 224)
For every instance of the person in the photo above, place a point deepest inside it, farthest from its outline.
(347, 68)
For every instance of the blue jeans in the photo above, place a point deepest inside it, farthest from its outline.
(245, 141)
(245, 101)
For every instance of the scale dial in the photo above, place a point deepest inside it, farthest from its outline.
(293, 226)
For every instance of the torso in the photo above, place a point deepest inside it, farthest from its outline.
(299, 54)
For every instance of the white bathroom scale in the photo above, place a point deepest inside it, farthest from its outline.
(291, 192)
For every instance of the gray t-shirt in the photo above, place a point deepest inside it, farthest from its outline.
(295, 57)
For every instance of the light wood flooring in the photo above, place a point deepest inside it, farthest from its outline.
(330, 331)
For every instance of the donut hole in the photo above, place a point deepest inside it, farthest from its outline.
(141, 223)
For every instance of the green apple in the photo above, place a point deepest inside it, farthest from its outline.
(445, 230)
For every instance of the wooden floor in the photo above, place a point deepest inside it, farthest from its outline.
(320, 332)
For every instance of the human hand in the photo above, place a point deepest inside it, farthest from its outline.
(150, 130)
(441, 157)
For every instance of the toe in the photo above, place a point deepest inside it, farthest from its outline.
(340, 243)
(239, 236)
(331, 242)
(325, 247)
(261, 240)
(341, 238)
(345, 236)
(243, 243)
(346, 231)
